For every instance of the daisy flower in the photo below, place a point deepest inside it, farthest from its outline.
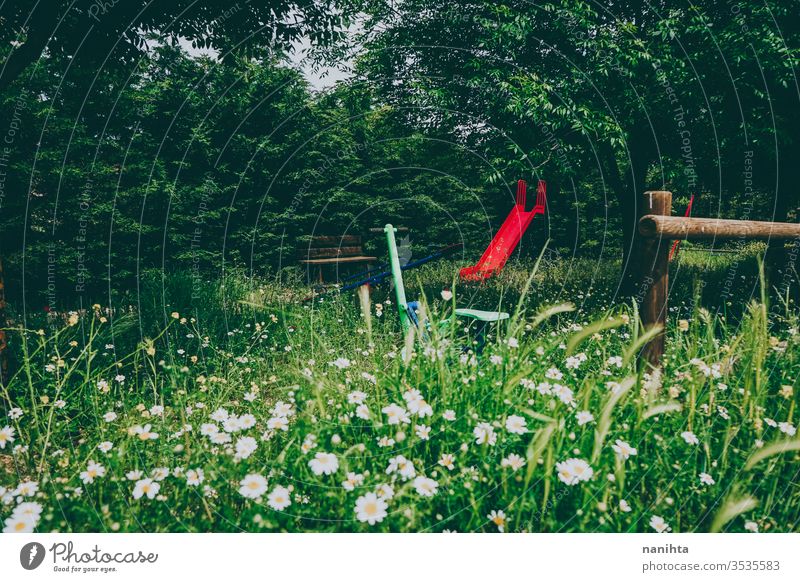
(513, 462)
(370, 509)
(6, 436)
(92, 471)
(425, 486)
(253, 486)
(657, 523)
(194, 477)
(279, 498)
(497, 517)
(624, 450)
(516, 424)
(324, 464)
(484, 434)
(146, 487)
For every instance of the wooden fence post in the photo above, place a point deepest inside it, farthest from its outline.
(653, 264)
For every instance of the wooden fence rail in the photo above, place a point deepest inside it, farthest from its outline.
(680, 228)
(657, 229)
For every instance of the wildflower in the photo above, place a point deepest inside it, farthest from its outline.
(105, 446)
(385, 491)
(279, 498)
(144, 433)
(362, 411)
(245, 447)
(446, 294)
(787, 391)
(516, 424)
(396, 414)
(751, 526)
(706, 479)
(15, 413)
(159, 473)
(657, 523)
(146, 487)
(484, 434)
(513, 342)
(423, 432)
(353, 480)
(324, 464)
(624, 450)
(690, 438)
(340, 363)
(449, 415)
(110, 416)
(219, 415)
(102, 385)
(573, 363)
(425, 486)
(6, 436)
(447, 461)
(27, 488)
(683, 325)
(232, 424)
(623, 505)
(573, 471)
(253, 486)
(787, 428)
(356, 397)
(92, 470)
(247, 421)
(513, 462)
(29, 509)
(281, 409)
(554, 374)
(194, 477)
(497, 517)
(278, 423)
(370, 509)
(564, 394)
(584, 417)
(495, 359)
(402, 466)
(19, 524)
(615, 361)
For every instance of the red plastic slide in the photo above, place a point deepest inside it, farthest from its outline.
(507, 238)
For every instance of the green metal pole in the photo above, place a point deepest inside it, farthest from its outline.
(397, 277)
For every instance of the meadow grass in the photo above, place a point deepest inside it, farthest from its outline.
(253, 410)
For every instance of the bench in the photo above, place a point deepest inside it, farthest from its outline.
(325, 251)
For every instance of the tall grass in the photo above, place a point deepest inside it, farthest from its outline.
(552, 427)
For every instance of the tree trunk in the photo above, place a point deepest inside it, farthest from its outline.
(627, 191)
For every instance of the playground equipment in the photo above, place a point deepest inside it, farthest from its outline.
(377, 275)
(658, 227)
(507, 238)
(408, 310)
(333, 251)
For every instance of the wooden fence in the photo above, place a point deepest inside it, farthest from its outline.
(657, 229)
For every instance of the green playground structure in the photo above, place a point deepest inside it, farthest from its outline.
(408, 310)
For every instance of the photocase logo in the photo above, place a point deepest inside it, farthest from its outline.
(31, 555)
